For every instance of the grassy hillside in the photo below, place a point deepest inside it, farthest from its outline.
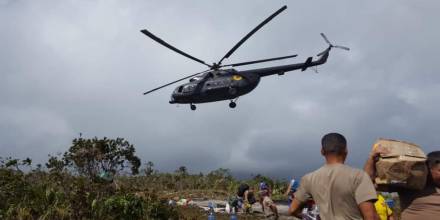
(103, 179)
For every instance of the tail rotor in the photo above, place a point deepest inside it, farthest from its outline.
(331, 45)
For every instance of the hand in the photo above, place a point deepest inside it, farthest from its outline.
(377, 150)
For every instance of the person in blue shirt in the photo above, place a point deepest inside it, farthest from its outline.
(291, 189)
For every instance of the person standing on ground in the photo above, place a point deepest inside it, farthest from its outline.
(269, 207)
(291, 189)
(264, 191)
(415, 204)
(341, 192)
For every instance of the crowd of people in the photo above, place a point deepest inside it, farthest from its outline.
(339, 191)
(343, 192)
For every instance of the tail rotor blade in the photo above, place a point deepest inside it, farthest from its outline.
(160, 41)
(325, 38)
(186, 77)
(342, 47)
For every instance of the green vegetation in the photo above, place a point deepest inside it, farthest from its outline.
(103, 179)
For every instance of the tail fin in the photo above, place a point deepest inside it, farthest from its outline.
(307, 64)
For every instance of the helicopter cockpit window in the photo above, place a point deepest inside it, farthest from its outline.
(188, 88)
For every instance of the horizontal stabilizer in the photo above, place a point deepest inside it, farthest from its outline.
(307, 63)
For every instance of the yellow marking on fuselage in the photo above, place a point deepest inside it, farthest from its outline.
(237, 77)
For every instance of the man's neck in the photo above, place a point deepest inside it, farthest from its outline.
(334, 160)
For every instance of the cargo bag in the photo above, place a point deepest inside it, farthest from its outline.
(403, 166)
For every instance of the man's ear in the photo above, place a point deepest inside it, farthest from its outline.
(322, 152)
(345, 154)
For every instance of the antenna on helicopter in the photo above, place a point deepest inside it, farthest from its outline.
(331, 45)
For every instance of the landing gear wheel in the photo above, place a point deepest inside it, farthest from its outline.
(232, 104)
(193, 107)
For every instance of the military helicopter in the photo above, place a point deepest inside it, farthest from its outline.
(219, 83)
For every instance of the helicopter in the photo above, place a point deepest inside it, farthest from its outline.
(221, 82)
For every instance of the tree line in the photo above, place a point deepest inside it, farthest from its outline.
(102, 178)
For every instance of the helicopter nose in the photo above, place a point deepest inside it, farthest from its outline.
(172, 100)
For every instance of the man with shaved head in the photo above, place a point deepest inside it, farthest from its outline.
(341, 192)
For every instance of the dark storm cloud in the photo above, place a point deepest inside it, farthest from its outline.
(81, 66)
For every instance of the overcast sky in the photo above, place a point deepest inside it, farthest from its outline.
(81, 66)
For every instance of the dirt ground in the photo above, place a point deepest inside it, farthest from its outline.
(198, 210)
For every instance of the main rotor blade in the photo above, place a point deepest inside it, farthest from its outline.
(261, 61)
(252, 32)
(186, 77)
(160, 41)
(325, 38)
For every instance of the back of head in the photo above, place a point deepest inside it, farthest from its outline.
(334, 144)
(242, 189)
(433, 159)
(433, 162)
(263, 186)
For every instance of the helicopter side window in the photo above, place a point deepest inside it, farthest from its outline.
(180, 89)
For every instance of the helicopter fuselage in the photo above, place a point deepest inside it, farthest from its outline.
(216, 85)
(228, 84)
